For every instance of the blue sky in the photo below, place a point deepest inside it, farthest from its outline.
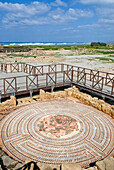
(57, 21)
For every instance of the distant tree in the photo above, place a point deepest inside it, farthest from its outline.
(94, 44)
(103, 44)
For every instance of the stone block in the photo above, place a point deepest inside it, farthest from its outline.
(69, 93)
(112, 113)
(99, 107)
(48, 95)
(70, 89)
(101, 101)
(93, 103)
(86, 102)
(55, 95)
(63, 94)
(66, 90)
(96, 105)
(95, 98)
(109, 163)
(78, 95)
(74, 94)
(108, 110)
(100, 165)
(42, 94)
(76, 90)
(71, 166)
(8, 103)
(103, 107)
(48, 166)
(8, 162)
(13, 101)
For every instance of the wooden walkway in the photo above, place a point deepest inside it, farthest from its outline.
(51, 76)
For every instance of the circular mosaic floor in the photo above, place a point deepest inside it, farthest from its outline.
(57, 131)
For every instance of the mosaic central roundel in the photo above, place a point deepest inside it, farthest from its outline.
(58, 126)
(56, 132)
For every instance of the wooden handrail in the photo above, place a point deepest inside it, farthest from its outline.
(71, 74)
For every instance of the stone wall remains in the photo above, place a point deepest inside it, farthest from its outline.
(74, 92)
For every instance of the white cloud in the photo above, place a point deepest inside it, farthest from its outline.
(79, 13)
(108, 21)
(105, 12)
(69, 15)
(106, 15)
(38, 13)
(57, 14)
(61, 3)
(25, 22)
(31, 9)
(104, 21)
(67, 29)
(89, 26)
(97, 1)
(21, 14)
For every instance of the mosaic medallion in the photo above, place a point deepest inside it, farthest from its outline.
(57, 131)
(58, 126)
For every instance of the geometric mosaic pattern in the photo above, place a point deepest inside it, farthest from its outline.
(57, 131)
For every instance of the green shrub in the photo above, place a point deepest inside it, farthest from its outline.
(93, 44)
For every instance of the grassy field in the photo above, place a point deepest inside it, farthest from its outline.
(107, 53)
(65, 47)
(105, 59)
(20, 55)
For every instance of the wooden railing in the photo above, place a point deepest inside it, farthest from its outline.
(45, 76)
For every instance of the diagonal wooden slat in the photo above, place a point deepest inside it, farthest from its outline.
(10, 84)
(95, 83)
(32, 81)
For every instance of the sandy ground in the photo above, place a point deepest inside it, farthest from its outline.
(90, 61)
(75, 57)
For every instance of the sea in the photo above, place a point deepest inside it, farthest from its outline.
(40, 43)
